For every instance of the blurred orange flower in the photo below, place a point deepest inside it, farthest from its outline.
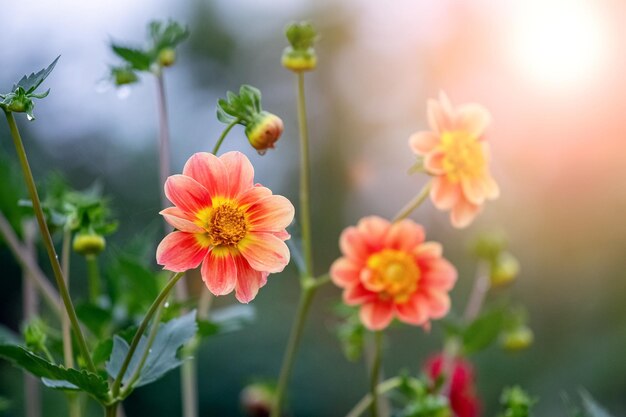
(457, 155)
(390, 271)
(235, 228)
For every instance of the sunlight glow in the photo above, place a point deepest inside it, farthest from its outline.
(558, 43)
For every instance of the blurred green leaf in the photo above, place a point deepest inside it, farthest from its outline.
(102, 351)
(56, 376)
(136, 58)
(483, 331)
(97, 319)
(9, 337)
(162, 357)
(226, 320)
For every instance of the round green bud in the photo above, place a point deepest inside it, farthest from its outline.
(123, 76)
(167, 57)
(299, 60)
(264, 130)
(34, 336)
(17, 106)
(504, 270)
(517, 339)
(257, 400)
(88, 243)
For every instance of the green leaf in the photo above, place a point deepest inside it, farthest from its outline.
(592, 407)
(56, 376)
(102, 351)
(483, 331)
(31, 82)
(97, 319)
(301, 35)
(222, 112)
(137, 58)
(162, 357)
(8, 336)
(167, 35)
(227, 320)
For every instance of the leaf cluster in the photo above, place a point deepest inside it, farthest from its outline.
(242, 107)
(20, 98)
(301, 35)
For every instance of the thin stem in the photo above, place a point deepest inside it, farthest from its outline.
(68, 354)
(306, 298)
(305, 171)
(189, 388)
(375, 372)
(382, 388)
(28, 263)
(141, 329)
(223, 136)
(30, 303)
(93, 278)
(47, 240)
(146, 351)
(110, 411)
(413, 204)
(164, 140)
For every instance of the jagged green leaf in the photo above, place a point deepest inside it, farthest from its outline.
(137, 58)
(56, 376)
(31, 82)
(162, 356)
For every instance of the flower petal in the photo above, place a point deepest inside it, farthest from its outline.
(473, 119)
(358, 294)
(353, 245)
(253, 195)
(492, 191)
(433, 162)
(429, 250)
(423, 142)
(437, 273)
(219, 271)
(264, 251)
(463, 213)
(373, 230)
(181, 220)
(473, 190)
(404, 235)
(248, 280)
(440, 114)
(444, 193)
(240, 173)
(209, 171)
(344, 272)
(270, 214)
(438, 303)
(413, 311)
(180, 251)
(376, 315)
(186, 193)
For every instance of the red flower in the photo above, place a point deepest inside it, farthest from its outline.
(463, 398)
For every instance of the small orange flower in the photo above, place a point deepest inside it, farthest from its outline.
(457, 155)
(390, 272)
(225, 222)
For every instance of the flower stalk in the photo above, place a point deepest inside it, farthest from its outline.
(412, 205)
(375, 372)
(47, 240)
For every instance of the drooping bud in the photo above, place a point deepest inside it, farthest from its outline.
(504, 269)
(517, 339)
(257, 400)
(88, 243)
(264, 130)
(167, 57)
(123, 76)
(300, 55)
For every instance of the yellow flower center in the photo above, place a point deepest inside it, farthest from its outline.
(394, 274)
(464, 156)
(225, 224)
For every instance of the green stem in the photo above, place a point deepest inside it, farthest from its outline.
(413, 204)
(47, 240)
(68, 354)
(223, 136)
(146, 351)
(375, 373)
(110, 410)
(305, 171)
(306, 298)
(93, 278)
(164, 140)
(115, 389)
(382, 388)
(189, 388)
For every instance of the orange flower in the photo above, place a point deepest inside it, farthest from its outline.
(390, 272)
(234, 228)
(457, 155)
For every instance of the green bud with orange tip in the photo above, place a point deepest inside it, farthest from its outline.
(300, 55)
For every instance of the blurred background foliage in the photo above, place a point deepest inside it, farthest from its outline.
(557, 152)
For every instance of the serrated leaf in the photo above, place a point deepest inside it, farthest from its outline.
(137, 58)
(592, 407)
(169, 37)
(31, 82)
(162, 357)
(56, 376)
(483, 331)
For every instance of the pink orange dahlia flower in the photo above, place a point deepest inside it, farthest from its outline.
(390, 271)
(457, 155)
(225, 222)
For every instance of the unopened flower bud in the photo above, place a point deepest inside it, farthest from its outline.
(298, 60)
(167, 57)
(123, 76)
(18, 105)
(257, 400)
(517, 339)
(264, 130)
(504, 270)
(88, 243)
(34, 335)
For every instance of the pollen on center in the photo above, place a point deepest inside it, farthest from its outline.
(227, 225)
